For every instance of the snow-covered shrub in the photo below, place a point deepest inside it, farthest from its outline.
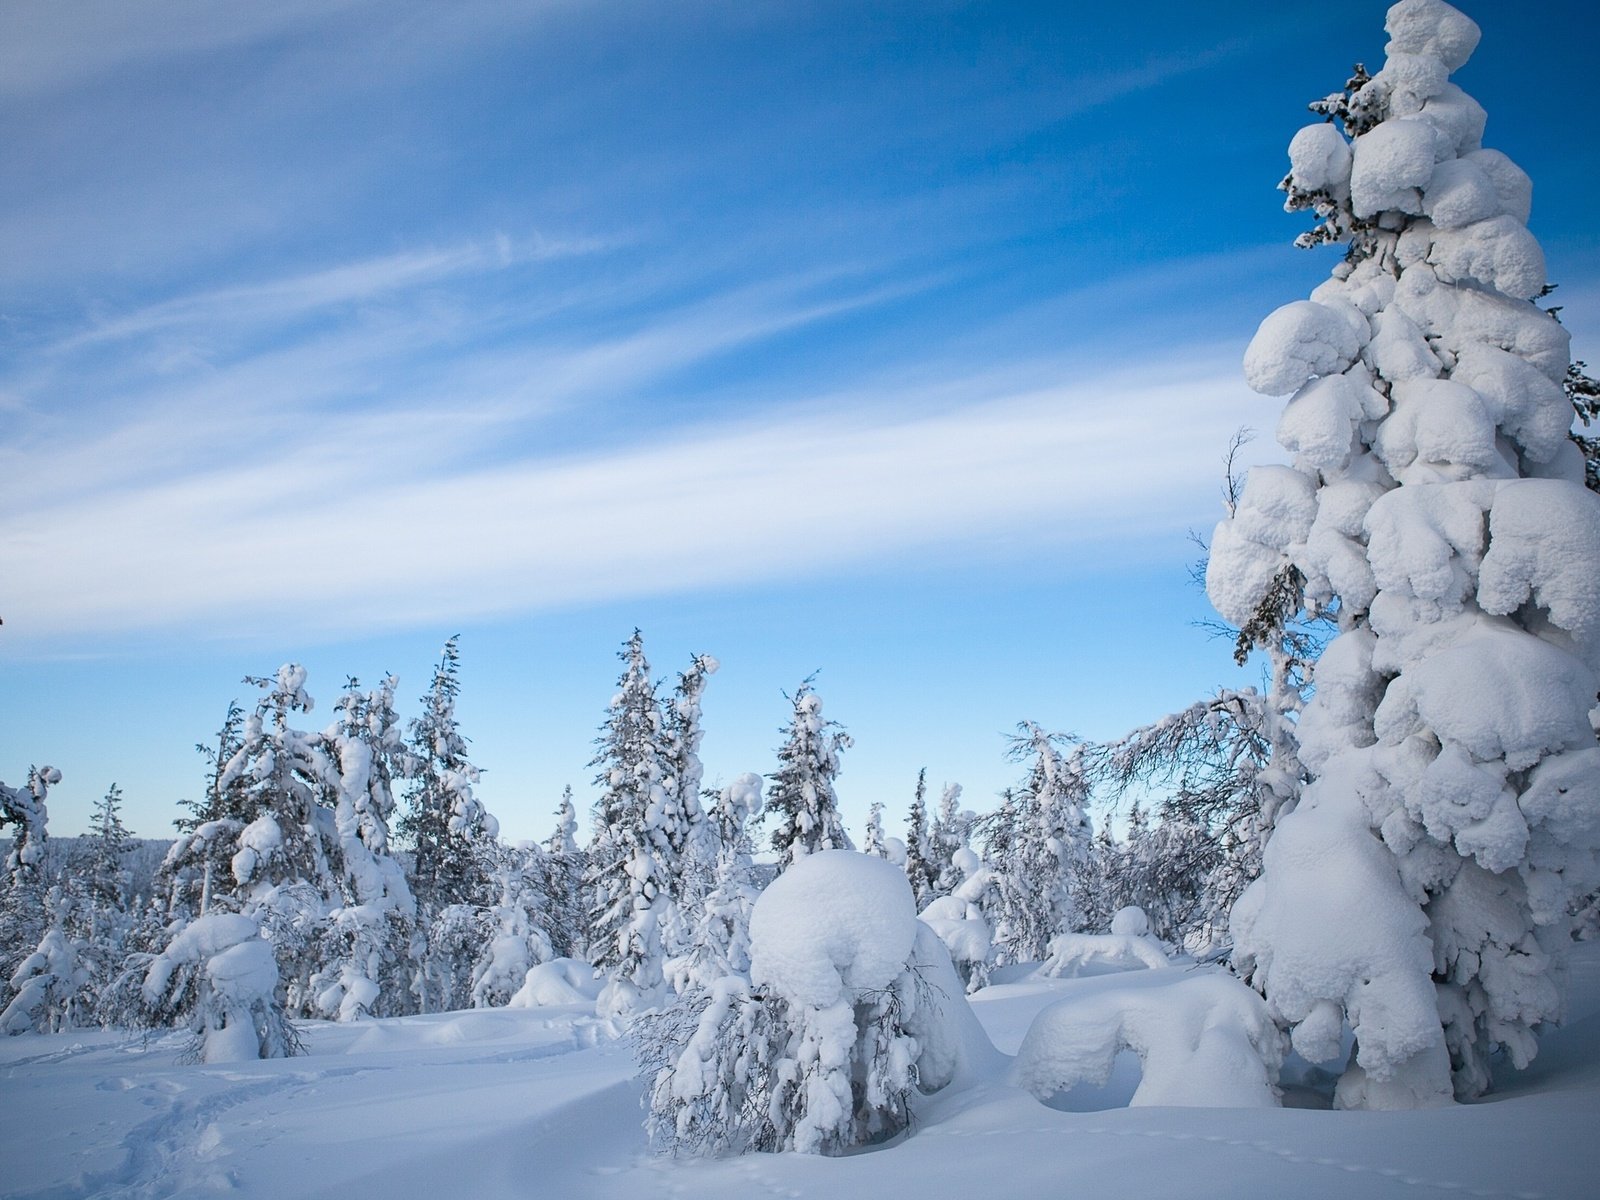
(1204, 1040)
(960, 921)
(851, 1010)
(48, 988)
(517, 941)
(1436, 508)
(558, 981)
(219, 974)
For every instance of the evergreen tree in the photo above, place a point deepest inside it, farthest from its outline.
(565, 866)
(22, 908)
(104, 850)
(516, 924)
(720, 945)
(920, 869)
(874, 843)
(369, 938)
(443, 820)
(49, 988)
(1436, 510)
(631, 883)
(952, 828)
(802, 795)
(690, 837)
(1038, 844)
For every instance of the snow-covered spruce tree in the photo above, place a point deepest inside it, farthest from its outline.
(961, 918)
(952, 828)
(516, 924)
(104, 851)
(101, 913)
(200, 859)
(693, 838)
(630, 882)
(801, 795)
(1422, 888)
(443, 820)
(1038, 841)
(23, 917)
(565, 866)
(283, 868)
(851, 1010)
(49, 988)
(368, 941)
(872, 842)
(920, 869)
(720, 941)
(218, 975)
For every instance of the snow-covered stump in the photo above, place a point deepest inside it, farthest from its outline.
(1204, 1040)
(1422, 888)
(220, 973)
(852, 1009)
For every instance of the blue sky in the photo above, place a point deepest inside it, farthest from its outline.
(897, 342)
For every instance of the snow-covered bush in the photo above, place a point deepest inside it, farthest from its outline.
(851, 1010)
(219, 974)
(48, 988)
(517, 940)
(1204, 1040)
(558, 981)
(1422, 888)
(960, 921)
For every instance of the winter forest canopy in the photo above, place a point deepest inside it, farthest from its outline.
(1365, 882)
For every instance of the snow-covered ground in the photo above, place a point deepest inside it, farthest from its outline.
(543, 1103)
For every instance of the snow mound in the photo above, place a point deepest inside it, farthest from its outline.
(1204, 1040)
(557, 982)
(835, 923)
(1128, 947)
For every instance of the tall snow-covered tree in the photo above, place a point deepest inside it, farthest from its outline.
(282, 872)
(873, 842)
(952, 827)
(104, 851)
(720, 941)
(690, 836)
(565, 865)
(1038, 841)
(443, 820)
(920, 869)
(1436, 509)
(630, 880)
(23, 918)
(368, 942)
(802, 796)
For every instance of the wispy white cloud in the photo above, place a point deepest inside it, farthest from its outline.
(332, 540)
